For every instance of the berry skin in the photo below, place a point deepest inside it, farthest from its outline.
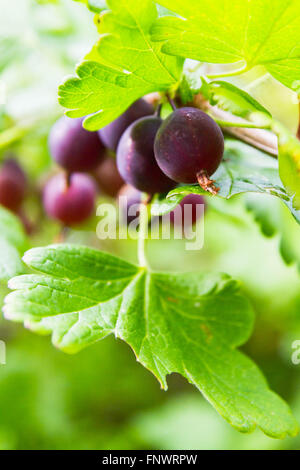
(135, 157)
(12, 185)
(71, 202)
(112, 133)
(183, 217)
(129, 196)
(188, 144)
(73, 147)
(108, 177)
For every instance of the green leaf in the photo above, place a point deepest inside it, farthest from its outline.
(255, 32)
(185, 323)
(231, 98)
(13, 243)
(243, 169)
(275, 220)
(289, 166)
(122, 67)
(161, 205)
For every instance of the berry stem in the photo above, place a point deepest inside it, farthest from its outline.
(68, 178)
(158, 110)
(143, 230)
(206, 183)
(173, 105)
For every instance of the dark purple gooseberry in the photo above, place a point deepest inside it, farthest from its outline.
(186, 213)
(73, 147)
(12, 185)
(129, 197)
(108, 177)
(188, 143)
(111, 134)
(69, 200)
(135, 157)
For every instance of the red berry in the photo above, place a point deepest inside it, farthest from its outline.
(135, 157)
(73, 147)
(71, 202)
(188, 143)
(188, 210)
(12, 185)
(111, 134)
(129, 197)
(108, 177)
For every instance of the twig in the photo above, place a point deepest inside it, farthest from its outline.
(259, 138)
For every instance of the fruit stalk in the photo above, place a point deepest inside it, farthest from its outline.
(144, 217)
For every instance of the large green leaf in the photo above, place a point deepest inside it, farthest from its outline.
(122, 67)
(13, 243)
(185, 323)
(243, 169)
(256, 32)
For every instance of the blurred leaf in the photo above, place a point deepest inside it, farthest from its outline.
(11, 50)
(265, 212)
(274, 219)
(243, 169)
(289, 166)
(260, 32)
(122, 67)
(185, 323)
(13, 243)
(95, 6)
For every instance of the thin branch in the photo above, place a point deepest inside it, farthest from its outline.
(260, 138)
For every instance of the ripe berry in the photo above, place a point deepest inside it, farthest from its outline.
(71, 201)
(189, 146)
(108, 177)
(129, 197)
(186, 213)
(111, 134)
(135, 157)
(12, 185)
(73, 147)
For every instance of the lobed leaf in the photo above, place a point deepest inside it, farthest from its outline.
(188, 323)
(123, 66)
(256, 32)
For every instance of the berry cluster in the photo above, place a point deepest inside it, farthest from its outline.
(69, 196)
(152, 156)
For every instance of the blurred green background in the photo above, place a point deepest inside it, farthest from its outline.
(102, 398)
